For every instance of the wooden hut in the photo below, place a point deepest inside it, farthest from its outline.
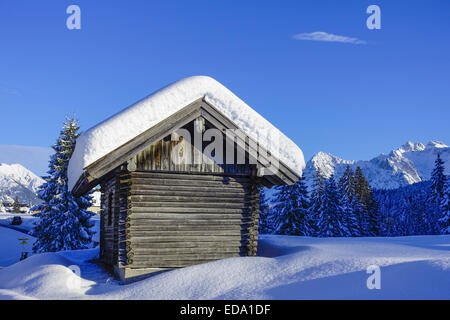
(161, 208)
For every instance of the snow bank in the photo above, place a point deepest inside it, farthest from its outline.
(136, 119)
(287, 268)
(10, 247)
(46, 276)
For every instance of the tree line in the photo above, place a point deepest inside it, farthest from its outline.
(348, 207)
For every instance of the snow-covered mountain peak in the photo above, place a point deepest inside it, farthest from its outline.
(411, 146)
(436, 144)
(16, 180)
(410, 163)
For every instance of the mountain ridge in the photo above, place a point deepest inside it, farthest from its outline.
(408, 164)
(18, 181)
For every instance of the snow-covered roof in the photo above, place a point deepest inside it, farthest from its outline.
(117, 130)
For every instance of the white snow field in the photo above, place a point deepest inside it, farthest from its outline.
(10, 247)
(288, 268)
(110, 134)
(28, 220)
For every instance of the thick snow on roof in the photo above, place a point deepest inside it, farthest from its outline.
(112, 133)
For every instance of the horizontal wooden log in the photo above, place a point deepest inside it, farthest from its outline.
(165, 264)
(187, 222)
(191, 176)
(190, 238)
(190, 187)
(182, 216)
(189, 204)
(187, 227)
(173, 182)
(193, 192)
(193, 197)
(163, 210)
(183, 257)
(188, 250)
(131, 245)
(181, 233)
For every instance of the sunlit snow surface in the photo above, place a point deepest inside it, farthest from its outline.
(288, 268)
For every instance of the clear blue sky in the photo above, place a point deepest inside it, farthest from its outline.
(352, 100)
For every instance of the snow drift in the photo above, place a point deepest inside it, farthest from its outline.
(287, 268)
(110, 134)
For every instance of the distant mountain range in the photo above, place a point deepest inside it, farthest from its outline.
(18, 181)
(411, 163)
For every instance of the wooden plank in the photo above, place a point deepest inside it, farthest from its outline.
(148, 187)
(183, 257)
(189, 176)
(177, 251)
(143, 243)
(204, 223)
(191, 197)
(167, 264)
(168, 205)
(183, 214)
(175, 233)
(186, 238)
(186, 227)
(186, 182)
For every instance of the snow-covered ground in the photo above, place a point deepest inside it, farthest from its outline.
(27, 220)
(287, 268)
(9, 252)
(10, 247)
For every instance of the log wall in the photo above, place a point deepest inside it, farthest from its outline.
(160, 210)
(176, 220)
(112, 219)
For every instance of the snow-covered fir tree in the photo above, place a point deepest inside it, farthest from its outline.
(406, 211)
(438, 194)
(330, 220)
(291, 209)
(266, 218)
(367, 206)
(317, 194)
(444, 221)
(64, 222)
(438, 180)
(346, 188)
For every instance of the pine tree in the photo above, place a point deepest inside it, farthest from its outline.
(438, 190)
(367, 207)
(346, 187)
(291, 209)
(445, 208)
(64, 220)
(318, 190)
(330, 216)
(438, 180)
(266, 218)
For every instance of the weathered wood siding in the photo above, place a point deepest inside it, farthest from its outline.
(179, 156)
(112, 227)
(170, 212)
(176, 220)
